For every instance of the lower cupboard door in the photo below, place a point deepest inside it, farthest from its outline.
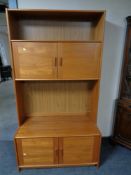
(80, 150)
(37, 151)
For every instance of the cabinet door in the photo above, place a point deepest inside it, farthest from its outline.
(37, 151)
(79, 60)
(33, 60)
(79, 150)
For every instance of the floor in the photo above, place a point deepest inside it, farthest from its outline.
(8, 119)
(115, 159)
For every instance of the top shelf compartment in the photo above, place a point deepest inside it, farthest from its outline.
(56, 25)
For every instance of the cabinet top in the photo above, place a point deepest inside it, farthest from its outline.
(79, 14)
(55, 10)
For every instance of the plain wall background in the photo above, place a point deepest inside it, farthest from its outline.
(116, 12)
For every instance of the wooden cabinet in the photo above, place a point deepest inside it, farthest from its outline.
(58, 151)
(122, 127)
(56, 60)
(56, 65)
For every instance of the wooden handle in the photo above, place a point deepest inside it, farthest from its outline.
(56, 152)
(61, 153)
(61, 61)
(55, 61)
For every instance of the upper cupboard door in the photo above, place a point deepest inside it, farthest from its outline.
(79, 60)
(33, 60)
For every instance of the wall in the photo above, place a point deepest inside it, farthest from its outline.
(116, 10)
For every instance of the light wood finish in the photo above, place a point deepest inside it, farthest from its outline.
(62, 41)
(94, 100)
(79, 60)
(57, 152)
(20, 103)
(12, 22)
(57, 166)
(56, 62)
(37, 151)
(55, 30)
(35, 60)
(51, 60)
(57, 126)
(83, 25)
(97, 148)
(79, 150)
(57, 141)
(100, 26)
(50, 98)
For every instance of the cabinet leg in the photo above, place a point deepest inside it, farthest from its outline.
(98, 165)
(19, 169)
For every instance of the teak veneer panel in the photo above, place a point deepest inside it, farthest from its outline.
(79, 150)
(37, 151)
(55, 30)
(50, 98)
(79, 60)
(46, 60)
(35, 60)
(57, 126)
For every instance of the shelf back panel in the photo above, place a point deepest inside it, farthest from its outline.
(56, 98)
(48, 30)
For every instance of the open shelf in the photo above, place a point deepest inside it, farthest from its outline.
(56, 98)
(56, 25)
(57, 126)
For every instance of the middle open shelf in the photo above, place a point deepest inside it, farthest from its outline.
(56, 98)
(57, 126)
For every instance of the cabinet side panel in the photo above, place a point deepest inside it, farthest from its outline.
(19, 151)
(99, 29)
(17, 88)
(94, 101)
(97, 149)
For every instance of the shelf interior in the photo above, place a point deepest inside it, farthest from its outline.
(60, 26)
(56, 98)
(57, 126)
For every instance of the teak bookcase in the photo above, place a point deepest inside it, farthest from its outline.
(56, 61)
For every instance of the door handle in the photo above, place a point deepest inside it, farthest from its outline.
(56, 152)
(61, 61)
(55, 61)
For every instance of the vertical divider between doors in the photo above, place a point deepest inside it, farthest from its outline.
(59, 49)
(57, 56)
(60, 150)
(56, 151)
